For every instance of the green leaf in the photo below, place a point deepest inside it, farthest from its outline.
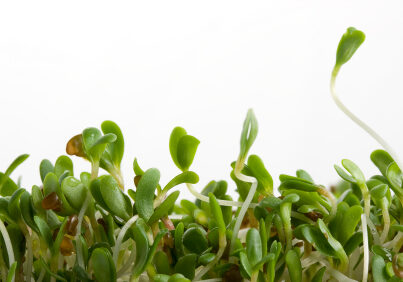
(145, 193)
(348, 224)
(186, 151)
(114, 198)
(163, 209)
(74, 191)
(243, 258)
(11, 272)
(186, 266)
(353, 243)
(176, 135)
(95, 144)
(27, 211)
(115, 149)
(253, 246)
(319, 275)
(205, 259)
(178, 238)
(344, 175)
(136, 168)
(19, 160)
(354, 170)
(349, 43)
(379, 269)
(304, 175)
(161, 263)
(44, 231)
(379, 191)
(294, 266)
(341, 254)
(14, 204)
(394, 176)
(249, 133)
(217, 213)
(62, 164)
(256, 165)
(103, 266)
(382, 160)
(313, 235)
(142, 247)
(195, 240)
(185, 177)
(7, 185)
(177, 277)
(44, 168)
(50, 184)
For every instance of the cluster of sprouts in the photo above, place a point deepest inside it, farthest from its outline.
(93, 227)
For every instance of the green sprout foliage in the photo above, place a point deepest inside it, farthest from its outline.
(91, 226)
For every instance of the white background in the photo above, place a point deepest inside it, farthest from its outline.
(151, 66)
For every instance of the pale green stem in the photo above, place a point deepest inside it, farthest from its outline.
(386, 220)
(358, 121)
(285, 213)
(246, 203)
(122, 233)
(365, 247)
(28, 274)
(204, 198)
(8, 244)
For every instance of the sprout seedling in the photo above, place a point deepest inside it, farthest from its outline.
(85, 227)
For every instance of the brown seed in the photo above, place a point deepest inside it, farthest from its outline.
(313, 215)
(51, 202)
(75, 146)
(102, 222)
(66, 247)
(71, 226)
(136, 180)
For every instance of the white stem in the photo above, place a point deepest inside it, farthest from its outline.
(7, 241)
(204, 198)
(128, 263)
(79, 256)
(120, 237)
(245, 204)
(365, 246)
(359, 122)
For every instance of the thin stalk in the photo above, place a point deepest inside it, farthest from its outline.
(8, 244)
(366, 248)
(386, 220)
(358, 121)
(128, 263)
(246, 203)
(80, 255)
(285, 213)
(204, 198)
(122, 233)
(3, 267)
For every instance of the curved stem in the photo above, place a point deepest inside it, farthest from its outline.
(358, 121)
(122, 233)
(8, 244)
(246, 203)
(204, 198)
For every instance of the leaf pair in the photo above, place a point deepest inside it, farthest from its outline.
(182, 148)
(7, 185)
(106, 192)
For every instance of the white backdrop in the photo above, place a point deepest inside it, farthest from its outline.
(150, 66)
